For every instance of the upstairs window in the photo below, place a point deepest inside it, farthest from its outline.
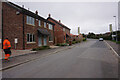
(39, 23)
(30, 20)
(44, 24)
(63, 29)
(50, 27)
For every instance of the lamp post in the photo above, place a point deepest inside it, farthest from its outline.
(116, 28)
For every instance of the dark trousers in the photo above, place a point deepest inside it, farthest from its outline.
(7, 51)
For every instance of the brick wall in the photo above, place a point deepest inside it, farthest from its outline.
(12, 26)
(58, 33)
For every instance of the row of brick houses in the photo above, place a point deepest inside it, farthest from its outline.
(61, 32)
(27, 30)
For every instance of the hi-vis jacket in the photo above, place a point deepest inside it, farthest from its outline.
(6, 44)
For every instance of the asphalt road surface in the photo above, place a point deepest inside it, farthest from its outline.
(91, 59)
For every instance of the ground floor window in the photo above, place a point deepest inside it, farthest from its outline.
(64, 37)
(50, 38)
(30, 37)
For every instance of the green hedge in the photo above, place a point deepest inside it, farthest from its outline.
(74, 42)
(62, 44)
(41, 48)
(84, 39)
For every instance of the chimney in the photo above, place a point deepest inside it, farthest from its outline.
(22, 6)
(36, 12)
(59, 21)
(49, 15)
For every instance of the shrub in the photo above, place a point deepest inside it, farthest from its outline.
(62, 44)
(73, 42)
(58, 45)
(41, 48)
(84, 39)
(118, 42)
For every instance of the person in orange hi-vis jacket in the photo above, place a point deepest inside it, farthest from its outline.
(6, 48)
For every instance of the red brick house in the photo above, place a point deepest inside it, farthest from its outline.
(26, 28)
(61, 32)
(76, 37)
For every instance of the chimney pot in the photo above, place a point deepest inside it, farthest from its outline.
(49, 15)
(36, 12)
(59, 21)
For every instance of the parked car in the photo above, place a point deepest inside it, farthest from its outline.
(100, 39)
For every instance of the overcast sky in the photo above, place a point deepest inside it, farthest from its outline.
(89, 16)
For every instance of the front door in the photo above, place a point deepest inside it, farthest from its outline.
(39, 40)
(45, 40)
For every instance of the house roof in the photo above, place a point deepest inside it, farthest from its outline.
(58, 23)
(27, 12)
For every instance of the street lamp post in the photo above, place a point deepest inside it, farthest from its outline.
(116, 28)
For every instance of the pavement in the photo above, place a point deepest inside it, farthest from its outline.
(91, 59)
(18, 52)
(19, 57)
(115, 46)
(21, 52)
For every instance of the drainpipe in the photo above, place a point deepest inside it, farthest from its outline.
(2, 26)
(23, 30)
(53, 34)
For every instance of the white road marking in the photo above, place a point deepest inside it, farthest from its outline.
(113, 50)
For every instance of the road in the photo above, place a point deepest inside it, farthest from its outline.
(91, 59)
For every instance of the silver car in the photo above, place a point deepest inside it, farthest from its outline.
(100, 39)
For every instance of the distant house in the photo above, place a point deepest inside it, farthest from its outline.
(27, 28)
(76, 37)
(61, 32)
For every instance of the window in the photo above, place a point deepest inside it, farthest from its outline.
(30, 37)
(64, 37)
(39, 23)
(44, 24)
(50, 27)
(30, 20)
(50, 38)
(63, 29)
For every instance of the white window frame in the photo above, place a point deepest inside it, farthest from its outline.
(28, 34)
(45, 25)
(63, 29)
(30, 20)
(50, 27)
(39, 22)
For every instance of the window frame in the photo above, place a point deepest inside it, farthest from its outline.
(64, 29)
(39, 22)
(29, 35)
(45, 25)
(50, 38)
(30, 20)
(50, 26)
